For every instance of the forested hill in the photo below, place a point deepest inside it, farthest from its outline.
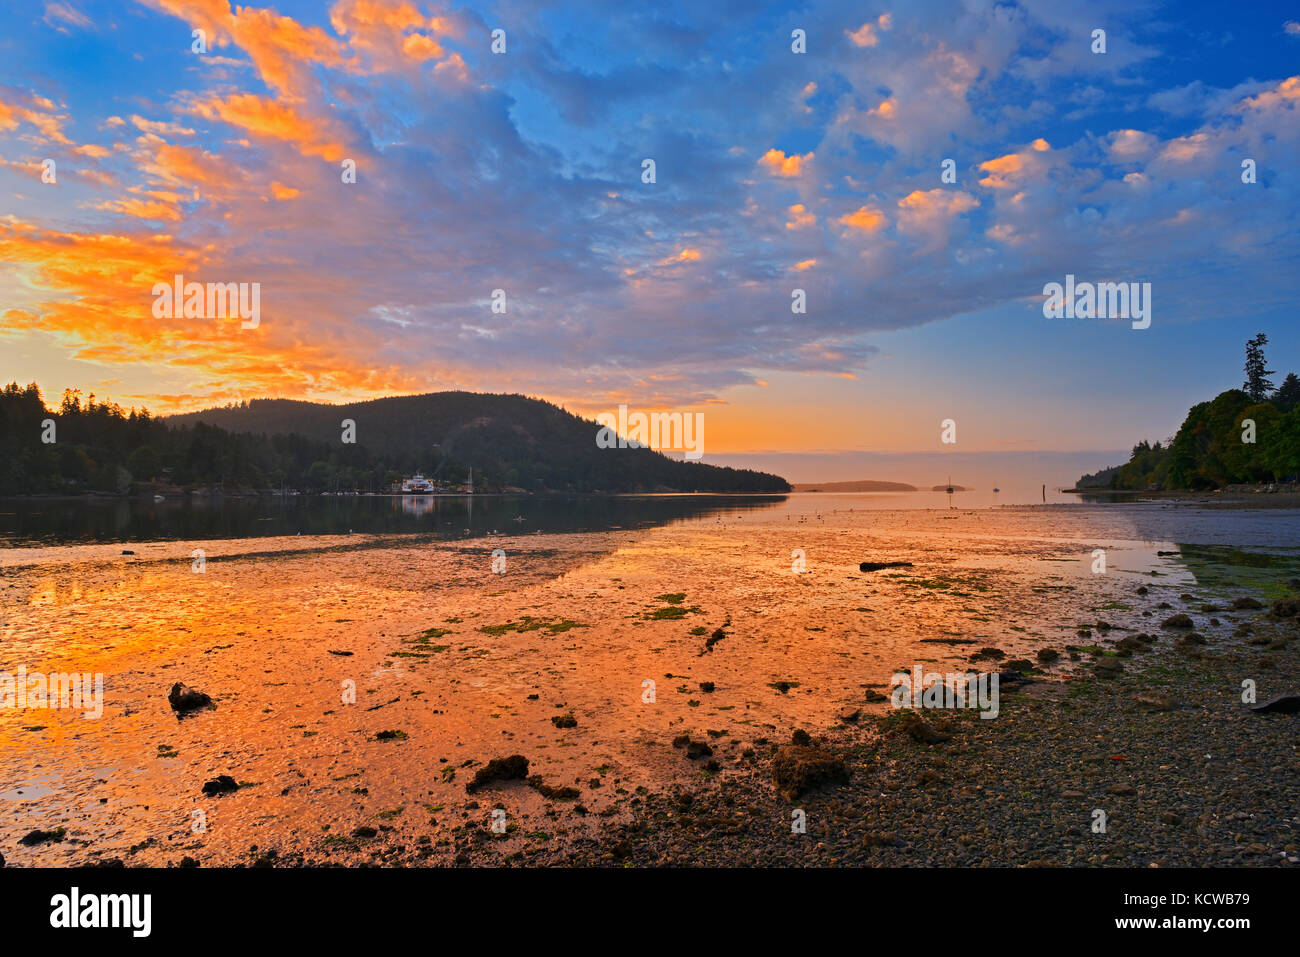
(1249, 435)
(510, 440)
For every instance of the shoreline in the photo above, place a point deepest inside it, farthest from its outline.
(1256, 497)
(470, 667)
(1184, 774)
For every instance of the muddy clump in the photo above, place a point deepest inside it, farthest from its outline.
(799, 768)
(513, 768)
(563, 793)
(694, 749)
(32, 838)
(221, 784)
(920, 730)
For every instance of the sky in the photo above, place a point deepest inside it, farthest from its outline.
(775, 170)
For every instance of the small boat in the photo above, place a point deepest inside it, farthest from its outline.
(949, 484)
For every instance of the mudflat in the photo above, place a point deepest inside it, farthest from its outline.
(654, 680)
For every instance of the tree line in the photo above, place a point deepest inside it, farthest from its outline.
(1249, 435)
(510, 441)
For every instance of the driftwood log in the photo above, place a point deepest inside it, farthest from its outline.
(876, 566)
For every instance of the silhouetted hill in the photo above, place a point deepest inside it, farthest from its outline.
(510, 440)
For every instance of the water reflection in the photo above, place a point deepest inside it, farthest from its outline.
(417, 504)
(87, 520)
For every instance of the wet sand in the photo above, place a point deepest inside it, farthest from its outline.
(467, 665)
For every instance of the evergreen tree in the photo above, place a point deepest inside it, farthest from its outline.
(1287, 395)
(1257, 385)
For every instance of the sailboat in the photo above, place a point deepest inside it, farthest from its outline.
(949, 484)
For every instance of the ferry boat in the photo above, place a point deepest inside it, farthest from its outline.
(417, 485)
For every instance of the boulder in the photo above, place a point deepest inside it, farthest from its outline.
(1282, 704)
(185, 699)
(1286, 608)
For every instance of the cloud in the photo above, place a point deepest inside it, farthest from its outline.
(930, 214)
(269, 119)
(864, 219)
(778, 164)
(159, 127)
(522, 172)
(64, 17)
(868, 34)
(800, 218)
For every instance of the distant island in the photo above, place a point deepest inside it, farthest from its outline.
(863, 486)
(1246, 436)
(512, 442)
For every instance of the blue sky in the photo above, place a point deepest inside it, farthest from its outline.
(775, 170)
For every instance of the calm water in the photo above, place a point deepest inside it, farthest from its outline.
(88, 520)
(28, 522)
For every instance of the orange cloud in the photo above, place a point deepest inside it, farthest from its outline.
(868, 35)
(1000, 170)
(420, 47)
(938, 200)
(1186, 148)
(280, 47)
(47, 123)
(787, 167)
(392, 32)
(886, 109)
(1284, 94)
(183, 165)
(100, 309)
(272, 120)
(800, 218)
(160, 128)
(155, 208)
(864, 218)
(685, 256)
